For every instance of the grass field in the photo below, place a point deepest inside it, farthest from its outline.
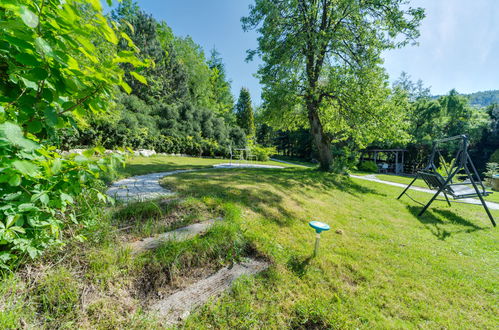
(145, 165)
(380, 266)
(387, 268)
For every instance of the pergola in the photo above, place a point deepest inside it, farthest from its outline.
(393, 158)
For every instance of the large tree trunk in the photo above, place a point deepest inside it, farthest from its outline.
(321, 141)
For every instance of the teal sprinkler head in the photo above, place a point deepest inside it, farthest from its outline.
(319, 227)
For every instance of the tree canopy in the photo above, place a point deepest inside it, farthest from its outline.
(322, 64)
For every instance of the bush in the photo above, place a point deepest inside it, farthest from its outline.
(494, 158)
(368, 166)
(39, 193)
(262, 153)
(492, 169)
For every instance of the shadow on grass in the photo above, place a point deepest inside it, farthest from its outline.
(442, 222)
(298, 265)
(155, 167)
(241, 186)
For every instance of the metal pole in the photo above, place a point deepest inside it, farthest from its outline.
(317, 240)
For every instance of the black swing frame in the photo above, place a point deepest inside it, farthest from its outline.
(462, 161)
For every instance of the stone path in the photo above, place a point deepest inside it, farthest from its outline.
(180, 234)
(145, 187)
(178, 306)
(141, 187)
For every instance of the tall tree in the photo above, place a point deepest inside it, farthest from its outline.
(321, 60)
(167, 78)
(244, 112)
(220, 85)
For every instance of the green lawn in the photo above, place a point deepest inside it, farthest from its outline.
(380, 266)
(145, 165)
(388, 268)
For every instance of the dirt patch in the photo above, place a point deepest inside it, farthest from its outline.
(178, 306)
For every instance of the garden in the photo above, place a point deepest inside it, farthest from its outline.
(137, 192)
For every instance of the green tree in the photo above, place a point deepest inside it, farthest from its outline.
(167, 78)
(221, 94)
(191, 55)
(244, 113)
(321, 61)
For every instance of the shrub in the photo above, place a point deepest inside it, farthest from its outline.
(368, 166)
(494, 158)
(52, 76)
(492, 169)
(262, 153)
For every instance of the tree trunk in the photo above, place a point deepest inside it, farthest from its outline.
(321, 141)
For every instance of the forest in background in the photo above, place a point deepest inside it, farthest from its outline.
(183, 106)
(187, 108)
(427, 118)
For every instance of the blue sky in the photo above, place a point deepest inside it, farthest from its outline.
(458, 47)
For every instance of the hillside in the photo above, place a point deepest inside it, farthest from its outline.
(484, 99)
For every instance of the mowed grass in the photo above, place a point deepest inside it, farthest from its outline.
(379, 267)
(145, 165)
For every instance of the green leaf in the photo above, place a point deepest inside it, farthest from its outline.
(18, 229)
(96, 5)
(29, 18)
(51, 116)
(11, 197)
(38, 74)
(11, 219)
(56, 166)
(29, 83)
(27, 207)
(126, 87)
(15, 180)
(67, 198)
(27, 59)
(13, 133)
(139, 77)
(34, 127)
(43, 47)
(26, 167)
(88, 153)
(127, 38)
(43, 197)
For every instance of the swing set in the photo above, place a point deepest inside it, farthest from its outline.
(447, 180)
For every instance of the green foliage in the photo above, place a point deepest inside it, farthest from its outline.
(262, 153)
(484, 99)
(368, 166)
(322, 66)
(494, 158)
(58, 63)
(492, 170)
(221, 93)
(244, 113)
(185, 106)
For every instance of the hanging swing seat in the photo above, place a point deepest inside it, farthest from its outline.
(436, 181)
(461, 165)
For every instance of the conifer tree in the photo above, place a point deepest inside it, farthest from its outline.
(244, 113)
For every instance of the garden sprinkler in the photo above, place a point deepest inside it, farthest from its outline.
(319, 227)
